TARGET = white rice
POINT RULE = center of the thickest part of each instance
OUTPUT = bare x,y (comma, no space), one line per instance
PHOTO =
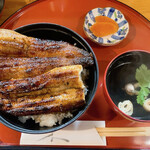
47,120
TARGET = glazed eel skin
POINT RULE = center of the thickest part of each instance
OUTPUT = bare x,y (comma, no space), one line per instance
15,44
40,76
29,67
66,92
69,99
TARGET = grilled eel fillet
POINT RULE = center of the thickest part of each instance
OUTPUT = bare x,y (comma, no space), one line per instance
18,45
65,86
29,67
54,80
67,100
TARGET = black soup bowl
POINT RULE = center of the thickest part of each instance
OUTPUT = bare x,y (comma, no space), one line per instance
120,84
59,33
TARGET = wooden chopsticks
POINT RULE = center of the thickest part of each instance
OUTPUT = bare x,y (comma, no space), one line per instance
124,131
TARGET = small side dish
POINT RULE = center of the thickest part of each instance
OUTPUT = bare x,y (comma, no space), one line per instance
106,26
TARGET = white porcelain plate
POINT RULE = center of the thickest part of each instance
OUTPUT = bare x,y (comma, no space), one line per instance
112,13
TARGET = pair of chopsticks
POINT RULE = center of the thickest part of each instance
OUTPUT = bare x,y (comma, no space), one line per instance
123,131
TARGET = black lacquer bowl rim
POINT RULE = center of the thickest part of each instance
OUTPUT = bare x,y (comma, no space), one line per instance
92,92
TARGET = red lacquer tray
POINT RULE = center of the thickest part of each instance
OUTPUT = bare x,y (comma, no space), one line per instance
71,13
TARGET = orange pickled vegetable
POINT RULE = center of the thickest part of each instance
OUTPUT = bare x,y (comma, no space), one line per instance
104,19
104,26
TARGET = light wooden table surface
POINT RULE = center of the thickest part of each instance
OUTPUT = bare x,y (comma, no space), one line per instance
142,6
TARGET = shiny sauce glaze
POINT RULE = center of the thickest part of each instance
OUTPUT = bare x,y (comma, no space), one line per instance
104,26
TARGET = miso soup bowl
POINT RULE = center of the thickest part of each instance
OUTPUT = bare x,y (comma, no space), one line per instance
119,72
59,33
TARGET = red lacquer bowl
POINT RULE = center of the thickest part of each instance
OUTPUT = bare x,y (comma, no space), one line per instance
119,72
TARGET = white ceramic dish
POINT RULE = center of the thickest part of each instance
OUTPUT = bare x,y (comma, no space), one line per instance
112,13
